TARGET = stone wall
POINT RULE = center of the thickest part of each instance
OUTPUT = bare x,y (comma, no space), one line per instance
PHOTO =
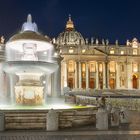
37,119
131,103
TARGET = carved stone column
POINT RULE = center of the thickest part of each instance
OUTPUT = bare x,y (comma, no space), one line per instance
76,71
97,76
80,76
129,76
105,75
117,75
65,75
87,76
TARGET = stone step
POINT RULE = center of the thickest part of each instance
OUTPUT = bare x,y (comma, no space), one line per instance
25,120
25,114
25,125
38,119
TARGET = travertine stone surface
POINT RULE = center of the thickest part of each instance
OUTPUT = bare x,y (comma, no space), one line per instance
102,119
2,121
124,115
52,121
71,135
115,117
36,119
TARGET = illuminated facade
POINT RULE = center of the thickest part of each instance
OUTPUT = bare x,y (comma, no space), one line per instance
82,63
90,64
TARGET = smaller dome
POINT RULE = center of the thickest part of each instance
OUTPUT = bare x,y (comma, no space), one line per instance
70,36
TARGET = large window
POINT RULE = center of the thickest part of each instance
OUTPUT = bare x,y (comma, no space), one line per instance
112,75
100,75
112,51
112,66
71,73
100,67
135,51
92,76
83,69
135,67
122,52
92,67
71,50
71,66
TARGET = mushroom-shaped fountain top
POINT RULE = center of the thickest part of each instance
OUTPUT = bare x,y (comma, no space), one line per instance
29,34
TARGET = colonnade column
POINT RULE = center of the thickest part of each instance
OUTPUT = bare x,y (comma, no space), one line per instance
117,75
129,76
87,76
80,76
65,74
105,75
97,76
76,73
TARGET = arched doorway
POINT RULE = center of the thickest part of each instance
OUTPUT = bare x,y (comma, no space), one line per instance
71,83
91,83
135,81
112,83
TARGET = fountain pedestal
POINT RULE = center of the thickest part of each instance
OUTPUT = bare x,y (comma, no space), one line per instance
29,95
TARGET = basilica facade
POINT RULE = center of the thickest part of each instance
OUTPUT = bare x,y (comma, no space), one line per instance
89,64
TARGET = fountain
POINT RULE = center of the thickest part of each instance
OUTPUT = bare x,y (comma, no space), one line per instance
30,62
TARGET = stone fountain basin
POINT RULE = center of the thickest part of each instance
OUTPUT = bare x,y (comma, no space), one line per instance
13,67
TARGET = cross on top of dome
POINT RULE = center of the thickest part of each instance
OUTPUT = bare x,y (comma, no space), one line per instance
70,24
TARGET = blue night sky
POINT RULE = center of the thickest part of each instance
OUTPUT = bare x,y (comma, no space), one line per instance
112,19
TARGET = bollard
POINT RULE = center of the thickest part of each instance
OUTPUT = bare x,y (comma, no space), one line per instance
2,121
102,119
52,120
124,116
115,117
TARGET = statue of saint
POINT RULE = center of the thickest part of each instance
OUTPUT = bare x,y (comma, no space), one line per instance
2,39
97,41
103,42
117,42
127,43
92,40
107,41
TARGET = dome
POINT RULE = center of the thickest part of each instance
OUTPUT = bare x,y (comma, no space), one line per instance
70,36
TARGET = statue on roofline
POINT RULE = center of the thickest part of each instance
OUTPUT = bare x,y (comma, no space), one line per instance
2,39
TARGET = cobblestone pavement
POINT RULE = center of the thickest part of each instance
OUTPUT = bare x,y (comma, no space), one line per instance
76,135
